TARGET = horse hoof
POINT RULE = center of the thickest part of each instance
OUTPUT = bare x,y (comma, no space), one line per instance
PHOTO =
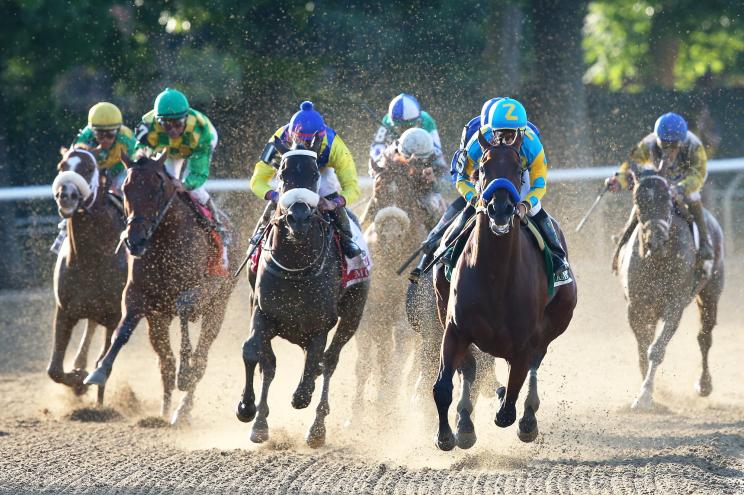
446,441
300,400
98,377
642,403
245,412
465,440
704,387
527,431
180,420
316,436
506,417
500,393
259,435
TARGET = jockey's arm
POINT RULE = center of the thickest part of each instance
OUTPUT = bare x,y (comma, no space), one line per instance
379,143
85,136
538,180
639,154
263,172
343,163
464,185
697,172
198,166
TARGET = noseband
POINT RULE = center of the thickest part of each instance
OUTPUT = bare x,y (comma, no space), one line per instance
663,223
496,184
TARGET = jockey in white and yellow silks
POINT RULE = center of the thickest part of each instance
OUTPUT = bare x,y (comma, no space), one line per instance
335,163
507,120
684,165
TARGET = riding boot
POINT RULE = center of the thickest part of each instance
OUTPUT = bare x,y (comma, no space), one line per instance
706,249
627,231
545,225
432,240
343,227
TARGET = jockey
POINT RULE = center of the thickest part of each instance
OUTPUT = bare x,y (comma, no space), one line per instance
678,155
507,121
404,112
106,132
189,138
459,162
335,163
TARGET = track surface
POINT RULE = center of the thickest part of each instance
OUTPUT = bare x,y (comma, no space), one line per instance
589,440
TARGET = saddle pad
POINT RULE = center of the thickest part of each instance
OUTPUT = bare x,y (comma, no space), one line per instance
357,269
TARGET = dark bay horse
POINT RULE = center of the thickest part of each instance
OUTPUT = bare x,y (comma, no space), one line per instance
498,300
297,295
88,276
661,275
169,250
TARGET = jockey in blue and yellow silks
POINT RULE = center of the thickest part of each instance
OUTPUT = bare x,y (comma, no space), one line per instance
336,165
507,120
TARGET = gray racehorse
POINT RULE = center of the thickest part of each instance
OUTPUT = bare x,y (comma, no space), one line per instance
661,275
297,295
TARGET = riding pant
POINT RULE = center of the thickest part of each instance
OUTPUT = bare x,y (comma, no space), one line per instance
176,167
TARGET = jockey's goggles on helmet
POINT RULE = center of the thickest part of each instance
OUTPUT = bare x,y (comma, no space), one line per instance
105,133
668,145
407,124
169,124
505,136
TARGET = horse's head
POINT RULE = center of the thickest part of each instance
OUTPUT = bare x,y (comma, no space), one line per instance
398,180
77,180
299,176
653,198
148,191
500,179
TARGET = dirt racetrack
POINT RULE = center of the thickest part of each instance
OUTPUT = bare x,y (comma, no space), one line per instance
589,442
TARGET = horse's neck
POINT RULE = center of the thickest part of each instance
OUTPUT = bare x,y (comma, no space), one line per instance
296,250
94,231
179,224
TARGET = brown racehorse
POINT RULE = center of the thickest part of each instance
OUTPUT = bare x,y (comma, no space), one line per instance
498,300
88,276
169,247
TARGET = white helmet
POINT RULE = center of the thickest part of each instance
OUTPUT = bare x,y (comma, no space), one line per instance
416,142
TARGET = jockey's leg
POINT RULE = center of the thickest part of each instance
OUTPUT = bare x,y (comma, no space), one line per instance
343,226
628,229
547,229
695,204
432,240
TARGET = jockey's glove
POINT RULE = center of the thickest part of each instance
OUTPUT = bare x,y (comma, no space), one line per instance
272,196
340,201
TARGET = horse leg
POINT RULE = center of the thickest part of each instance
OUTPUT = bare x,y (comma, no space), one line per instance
465,429
362,370
453,350
707,303
644,328
81,358
655,357
184,376
508,411
527,431
123,332
252,349
63,325
260,431
160,340
104,348
313,357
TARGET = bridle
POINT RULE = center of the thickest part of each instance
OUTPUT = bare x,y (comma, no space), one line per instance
663,223
152,222
488,190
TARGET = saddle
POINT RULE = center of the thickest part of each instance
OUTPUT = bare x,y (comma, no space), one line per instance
217,264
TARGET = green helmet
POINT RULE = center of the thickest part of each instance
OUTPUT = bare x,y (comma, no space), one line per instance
171,104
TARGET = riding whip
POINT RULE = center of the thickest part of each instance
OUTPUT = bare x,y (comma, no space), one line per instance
415,254
591,209
258,234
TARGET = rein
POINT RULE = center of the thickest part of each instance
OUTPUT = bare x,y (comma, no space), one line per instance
158,219
287,270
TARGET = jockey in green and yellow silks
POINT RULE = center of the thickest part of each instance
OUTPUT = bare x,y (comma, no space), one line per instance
336,165
106,132
506,122
678,155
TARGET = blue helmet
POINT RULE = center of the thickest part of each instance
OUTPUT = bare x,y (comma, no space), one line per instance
404,108
486,109
507,113
307,123
671,127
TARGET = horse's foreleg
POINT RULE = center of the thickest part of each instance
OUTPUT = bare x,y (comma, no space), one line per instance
313,357
708,307
123,333
508,411
160,340
267,360
362,370
63,325
644,328
252,349
465,429
655,357
527,431
81,358
183,373
453,349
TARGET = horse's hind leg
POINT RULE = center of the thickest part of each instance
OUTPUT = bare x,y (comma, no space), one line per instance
707,303
313,357
465,429
527,431
81,358
453,350
160,340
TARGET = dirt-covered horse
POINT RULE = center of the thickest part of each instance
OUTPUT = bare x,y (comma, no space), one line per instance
500,300
661,275
298,295
171,274
88,276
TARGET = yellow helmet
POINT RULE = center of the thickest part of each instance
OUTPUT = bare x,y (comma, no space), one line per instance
104,116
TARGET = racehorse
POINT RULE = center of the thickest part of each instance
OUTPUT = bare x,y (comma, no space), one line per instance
297,295
498,300
660,276
169,248
398,227
88,276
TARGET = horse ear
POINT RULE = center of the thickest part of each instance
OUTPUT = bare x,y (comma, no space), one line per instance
160,160
63,151
280,146
484,144
126,161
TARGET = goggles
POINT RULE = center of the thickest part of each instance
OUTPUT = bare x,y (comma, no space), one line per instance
668,145
105,134
172,124
505,136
